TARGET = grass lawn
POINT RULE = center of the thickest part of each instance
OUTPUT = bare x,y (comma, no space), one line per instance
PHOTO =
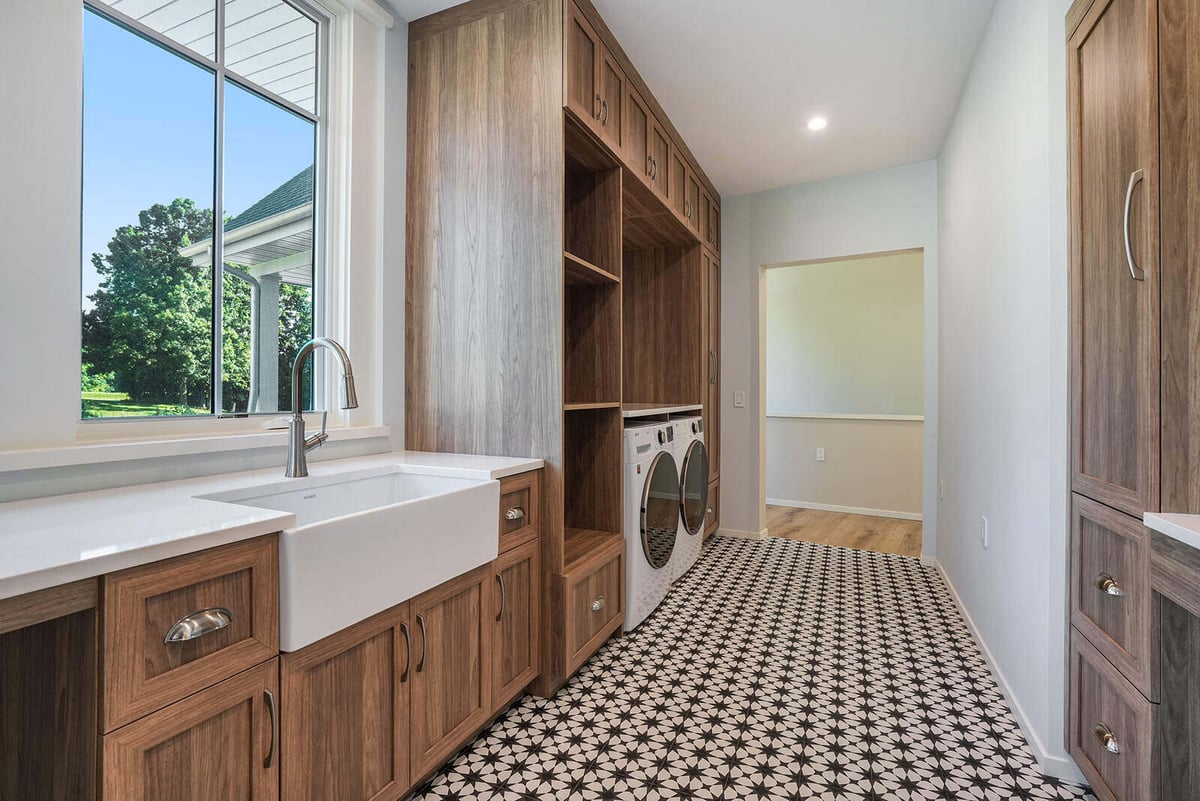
118,404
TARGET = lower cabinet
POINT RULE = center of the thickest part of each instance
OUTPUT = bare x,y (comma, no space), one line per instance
220,744
451,677
345,713
515,644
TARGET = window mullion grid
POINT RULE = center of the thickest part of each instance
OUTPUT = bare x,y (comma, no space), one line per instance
218,268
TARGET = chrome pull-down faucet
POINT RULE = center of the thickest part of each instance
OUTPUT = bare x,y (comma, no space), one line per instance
298,444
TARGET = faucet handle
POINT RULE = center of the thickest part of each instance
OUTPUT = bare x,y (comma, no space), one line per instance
317,440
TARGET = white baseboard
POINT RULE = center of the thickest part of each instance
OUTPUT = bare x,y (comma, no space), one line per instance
1059,766
853,510
742,535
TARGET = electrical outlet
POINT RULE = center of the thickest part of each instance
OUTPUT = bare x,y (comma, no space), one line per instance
983,531
739,399
820,454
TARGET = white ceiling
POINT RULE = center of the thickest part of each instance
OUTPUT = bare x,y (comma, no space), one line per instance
740,79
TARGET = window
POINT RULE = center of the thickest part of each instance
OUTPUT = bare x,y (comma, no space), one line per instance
194,112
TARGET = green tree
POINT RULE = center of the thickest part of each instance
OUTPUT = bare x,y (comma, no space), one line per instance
151,322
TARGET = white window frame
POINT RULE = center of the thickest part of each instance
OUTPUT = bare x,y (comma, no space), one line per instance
347,218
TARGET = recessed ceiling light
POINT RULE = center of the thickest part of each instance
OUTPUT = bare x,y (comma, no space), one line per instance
817,123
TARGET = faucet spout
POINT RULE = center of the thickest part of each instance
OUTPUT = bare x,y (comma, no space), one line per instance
298,444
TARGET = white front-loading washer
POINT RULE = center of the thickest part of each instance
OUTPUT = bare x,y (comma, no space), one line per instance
651,518
692,458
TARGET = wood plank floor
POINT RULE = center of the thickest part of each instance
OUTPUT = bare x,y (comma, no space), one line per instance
882,534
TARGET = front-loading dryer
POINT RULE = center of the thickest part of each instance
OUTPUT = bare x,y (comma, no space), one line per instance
692,458
651,518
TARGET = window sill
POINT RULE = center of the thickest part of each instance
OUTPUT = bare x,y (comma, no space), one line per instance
128,450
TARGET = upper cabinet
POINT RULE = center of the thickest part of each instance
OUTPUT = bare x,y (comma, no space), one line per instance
594,82
636,152
1114,256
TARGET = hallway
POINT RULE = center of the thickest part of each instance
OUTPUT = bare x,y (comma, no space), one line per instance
880,534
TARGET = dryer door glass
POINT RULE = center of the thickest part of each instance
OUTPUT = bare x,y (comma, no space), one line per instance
660,510
693,487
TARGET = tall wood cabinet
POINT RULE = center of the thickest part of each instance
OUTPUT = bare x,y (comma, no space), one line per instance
562,256
1133,88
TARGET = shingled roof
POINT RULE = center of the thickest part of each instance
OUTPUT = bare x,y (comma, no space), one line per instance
296,192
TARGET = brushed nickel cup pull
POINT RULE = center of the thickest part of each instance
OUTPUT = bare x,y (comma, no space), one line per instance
1108,585
1106,738
197,624
514,513
270,699
598,604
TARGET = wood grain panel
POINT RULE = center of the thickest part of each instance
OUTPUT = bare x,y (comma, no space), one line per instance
451,678
1179,142
581,68
1175,571
592,211
1178,723
710,359
213,746
515,652
48,709
345,702
662,322
55,602
612,93
484,289
1100,696
635,151
1107,543
141,673
1114,323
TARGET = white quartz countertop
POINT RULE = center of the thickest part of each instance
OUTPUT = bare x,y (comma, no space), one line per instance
1185,528
45,542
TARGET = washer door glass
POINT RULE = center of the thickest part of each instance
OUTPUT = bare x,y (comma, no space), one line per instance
660,510
693,487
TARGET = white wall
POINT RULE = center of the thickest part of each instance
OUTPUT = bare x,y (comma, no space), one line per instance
1003,391
871,466
877,212
40,55
846,337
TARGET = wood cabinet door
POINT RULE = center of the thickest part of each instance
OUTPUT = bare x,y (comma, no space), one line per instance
515,646
711,392
636,147
451,678
677,183
1114,255
220,744
705,221
691,196
345,713
581,73
714,225
660,159
612,100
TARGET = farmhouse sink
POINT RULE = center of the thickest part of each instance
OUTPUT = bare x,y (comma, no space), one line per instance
366,541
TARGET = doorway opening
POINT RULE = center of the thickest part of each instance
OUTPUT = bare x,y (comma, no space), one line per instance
844,400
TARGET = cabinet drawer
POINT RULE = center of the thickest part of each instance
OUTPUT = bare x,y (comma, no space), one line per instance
1111,726
520,507
595,601
1110,587
174,627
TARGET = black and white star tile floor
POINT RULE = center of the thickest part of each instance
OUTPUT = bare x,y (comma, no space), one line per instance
774,670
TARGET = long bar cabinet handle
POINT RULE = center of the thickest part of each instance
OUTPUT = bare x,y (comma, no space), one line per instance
424,643
1137,273
407,651
270,699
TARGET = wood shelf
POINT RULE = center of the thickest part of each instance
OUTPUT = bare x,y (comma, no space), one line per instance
579,407
580,543
581,271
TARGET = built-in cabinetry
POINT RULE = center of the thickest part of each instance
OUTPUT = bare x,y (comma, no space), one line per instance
563,263
1134,189
164,681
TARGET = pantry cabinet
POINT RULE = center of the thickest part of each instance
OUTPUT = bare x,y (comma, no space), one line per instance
594,82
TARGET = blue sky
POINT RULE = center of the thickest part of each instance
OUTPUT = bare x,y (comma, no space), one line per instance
148,118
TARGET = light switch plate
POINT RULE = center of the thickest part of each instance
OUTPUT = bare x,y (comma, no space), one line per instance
739,399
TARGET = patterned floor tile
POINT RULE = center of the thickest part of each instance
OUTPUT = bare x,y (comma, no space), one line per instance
774,670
